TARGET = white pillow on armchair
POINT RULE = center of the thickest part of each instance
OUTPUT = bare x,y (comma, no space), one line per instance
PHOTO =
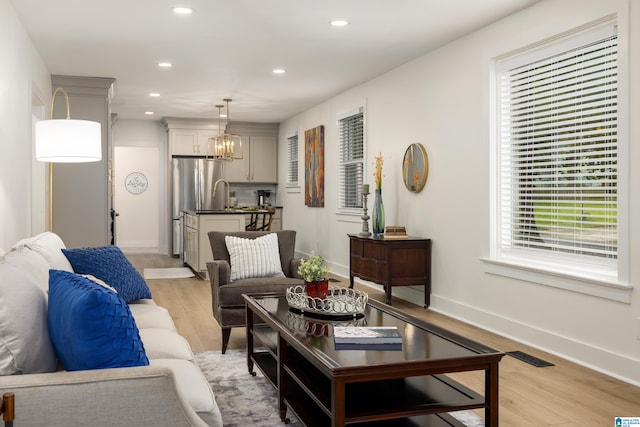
259,257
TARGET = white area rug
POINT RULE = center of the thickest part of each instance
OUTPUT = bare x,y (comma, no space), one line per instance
168,273
245,400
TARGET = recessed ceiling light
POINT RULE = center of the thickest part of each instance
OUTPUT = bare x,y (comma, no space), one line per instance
279,71
181,10
154,94
339,23
149,113
164,64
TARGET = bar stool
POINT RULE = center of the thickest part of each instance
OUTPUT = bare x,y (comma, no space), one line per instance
261,221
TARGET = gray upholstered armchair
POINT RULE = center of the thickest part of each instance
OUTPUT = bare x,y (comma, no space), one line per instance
226,296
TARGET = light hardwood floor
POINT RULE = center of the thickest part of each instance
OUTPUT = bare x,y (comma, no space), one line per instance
562,395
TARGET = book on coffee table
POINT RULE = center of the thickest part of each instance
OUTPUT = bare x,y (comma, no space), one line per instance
366,335
368,346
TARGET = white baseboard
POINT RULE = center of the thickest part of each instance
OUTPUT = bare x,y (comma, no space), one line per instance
601,360
139,247
140,250
618,366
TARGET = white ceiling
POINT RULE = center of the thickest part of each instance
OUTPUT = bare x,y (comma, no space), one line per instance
228,48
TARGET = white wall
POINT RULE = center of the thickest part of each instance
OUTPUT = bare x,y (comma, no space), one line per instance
23,77
148,133
442,100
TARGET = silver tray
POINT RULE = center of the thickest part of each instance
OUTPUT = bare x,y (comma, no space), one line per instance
339,301
309,326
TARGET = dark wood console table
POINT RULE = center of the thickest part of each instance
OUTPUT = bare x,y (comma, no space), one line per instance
393,262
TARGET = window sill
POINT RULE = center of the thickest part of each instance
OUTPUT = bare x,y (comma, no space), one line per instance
293,189
349,216
607,289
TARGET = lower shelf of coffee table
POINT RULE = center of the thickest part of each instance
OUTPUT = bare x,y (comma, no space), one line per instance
305,410
265,362
310,391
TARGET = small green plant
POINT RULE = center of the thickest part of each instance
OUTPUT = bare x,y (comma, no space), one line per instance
313,269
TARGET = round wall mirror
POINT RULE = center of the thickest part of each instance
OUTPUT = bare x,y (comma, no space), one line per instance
415,168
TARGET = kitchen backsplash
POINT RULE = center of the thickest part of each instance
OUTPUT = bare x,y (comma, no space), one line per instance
247,194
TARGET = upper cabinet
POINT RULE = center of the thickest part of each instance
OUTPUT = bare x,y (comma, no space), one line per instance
186,142
190,137
260,153
259,163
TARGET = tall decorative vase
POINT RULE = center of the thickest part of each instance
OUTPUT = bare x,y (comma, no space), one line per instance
377,215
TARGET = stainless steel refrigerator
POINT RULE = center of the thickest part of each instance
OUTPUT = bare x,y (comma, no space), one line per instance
193,179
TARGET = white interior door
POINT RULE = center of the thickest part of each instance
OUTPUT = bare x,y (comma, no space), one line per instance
136,198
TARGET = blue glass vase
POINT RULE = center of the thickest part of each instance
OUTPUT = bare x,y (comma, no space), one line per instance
377,215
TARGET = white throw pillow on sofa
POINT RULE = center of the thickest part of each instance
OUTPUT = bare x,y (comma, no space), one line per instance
49,245
25,345
30,262
259,257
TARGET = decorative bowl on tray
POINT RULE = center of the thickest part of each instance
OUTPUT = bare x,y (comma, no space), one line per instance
309,326
340,301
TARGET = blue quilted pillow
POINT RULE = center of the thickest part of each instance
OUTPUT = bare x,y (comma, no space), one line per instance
90,326
109,264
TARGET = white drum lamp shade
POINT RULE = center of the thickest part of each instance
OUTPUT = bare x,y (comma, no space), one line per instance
68,141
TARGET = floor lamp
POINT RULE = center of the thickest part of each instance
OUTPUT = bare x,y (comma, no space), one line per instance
66,141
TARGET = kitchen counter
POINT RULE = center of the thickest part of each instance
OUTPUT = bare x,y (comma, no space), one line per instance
230,211
197,224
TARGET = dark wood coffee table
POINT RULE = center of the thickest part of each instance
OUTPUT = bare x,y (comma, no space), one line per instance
328,387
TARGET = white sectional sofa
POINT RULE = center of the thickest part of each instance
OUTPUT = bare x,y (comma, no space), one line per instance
38,331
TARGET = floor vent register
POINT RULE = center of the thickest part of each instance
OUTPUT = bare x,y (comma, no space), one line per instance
531,360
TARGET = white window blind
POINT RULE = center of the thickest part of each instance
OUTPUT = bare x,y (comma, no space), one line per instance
292,161
351,139
558,156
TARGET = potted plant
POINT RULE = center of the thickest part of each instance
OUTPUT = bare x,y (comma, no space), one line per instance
314,271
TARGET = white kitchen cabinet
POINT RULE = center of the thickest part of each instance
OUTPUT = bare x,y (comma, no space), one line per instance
191,247
190,142
263,161
260,147
190,240
189,137
197,250
259,163
276,225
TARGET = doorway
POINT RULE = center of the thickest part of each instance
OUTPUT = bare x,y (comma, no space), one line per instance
136,199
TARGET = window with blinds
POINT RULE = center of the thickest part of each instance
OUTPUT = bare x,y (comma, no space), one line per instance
292,161
558,153
351,140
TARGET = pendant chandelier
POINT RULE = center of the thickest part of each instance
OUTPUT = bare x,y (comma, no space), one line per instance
226,146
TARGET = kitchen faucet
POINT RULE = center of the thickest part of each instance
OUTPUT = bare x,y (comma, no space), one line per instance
215,186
